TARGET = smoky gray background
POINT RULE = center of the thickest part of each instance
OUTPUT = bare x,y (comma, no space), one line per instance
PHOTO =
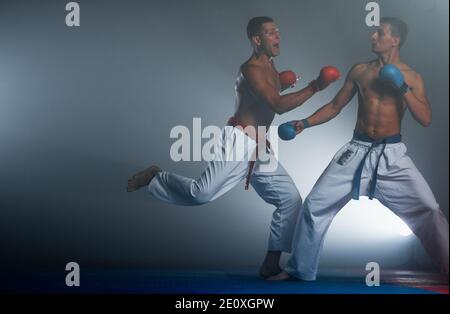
81,109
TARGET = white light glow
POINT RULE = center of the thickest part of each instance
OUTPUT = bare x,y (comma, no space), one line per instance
369,218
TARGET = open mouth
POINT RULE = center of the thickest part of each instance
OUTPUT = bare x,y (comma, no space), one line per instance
277,46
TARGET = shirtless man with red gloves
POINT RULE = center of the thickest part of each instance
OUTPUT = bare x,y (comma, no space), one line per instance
258,99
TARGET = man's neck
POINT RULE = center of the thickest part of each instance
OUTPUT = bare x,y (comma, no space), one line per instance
262,57
392,57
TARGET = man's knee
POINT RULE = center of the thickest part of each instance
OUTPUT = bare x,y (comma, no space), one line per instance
293,198
202,195
431,209
437,214
421,217
312,212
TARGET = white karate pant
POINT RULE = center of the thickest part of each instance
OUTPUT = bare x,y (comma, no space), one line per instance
221,175
400,187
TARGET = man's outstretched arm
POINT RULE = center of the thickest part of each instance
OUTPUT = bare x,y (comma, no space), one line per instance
333,108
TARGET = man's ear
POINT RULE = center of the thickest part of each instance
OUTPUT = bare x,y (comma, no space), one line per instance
396,41
256,40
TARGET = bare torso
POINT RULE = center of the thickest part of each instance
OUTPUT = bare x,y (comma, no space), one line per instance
251,109
380,105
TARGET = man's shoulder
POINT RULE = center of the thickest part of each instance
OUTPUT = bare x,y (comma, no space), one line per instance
251,70
250,66
362,66
408,70
358,68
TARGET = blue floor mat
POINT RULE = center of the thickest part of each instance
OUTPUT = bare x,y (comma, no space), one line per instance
192,282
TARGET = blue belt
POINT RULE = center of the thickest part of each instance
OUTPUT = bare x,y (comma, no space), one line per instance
357,178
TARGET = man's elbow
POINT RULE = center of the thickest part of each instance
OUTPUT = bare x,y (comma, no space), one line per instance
334,109
278,107
426,122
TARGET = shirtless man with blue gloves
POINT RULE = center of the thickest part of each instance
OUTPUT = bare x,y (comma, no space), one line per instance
374,162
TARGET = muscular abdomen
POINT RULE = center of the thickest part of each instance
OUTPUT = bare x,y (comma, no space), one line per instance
379,116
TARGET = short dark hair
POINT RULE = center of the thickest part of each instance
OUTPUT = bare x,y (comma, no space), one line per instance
398,28
254,25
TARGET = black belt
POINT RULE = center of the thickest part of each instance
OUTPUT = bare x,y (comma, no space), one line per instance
397,138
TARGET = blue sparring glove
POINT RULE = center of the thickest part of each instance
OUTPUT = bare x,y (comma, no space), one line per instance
392,74
286,131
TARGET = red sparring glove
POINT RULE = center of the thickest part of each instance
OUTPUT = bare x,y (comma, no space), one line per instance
327,75
287,79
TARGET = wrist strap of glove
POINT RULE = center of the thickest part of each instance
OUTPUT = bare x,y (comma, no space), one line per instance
404,88
305,123
314,86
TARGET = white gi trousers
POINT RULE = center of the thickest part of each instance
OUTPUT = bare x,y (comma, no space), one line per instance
400,187
275,187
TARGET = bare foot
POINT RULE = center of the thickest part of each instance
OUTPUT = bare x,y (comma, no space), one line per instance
280,277
270,266
266,272
142,178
